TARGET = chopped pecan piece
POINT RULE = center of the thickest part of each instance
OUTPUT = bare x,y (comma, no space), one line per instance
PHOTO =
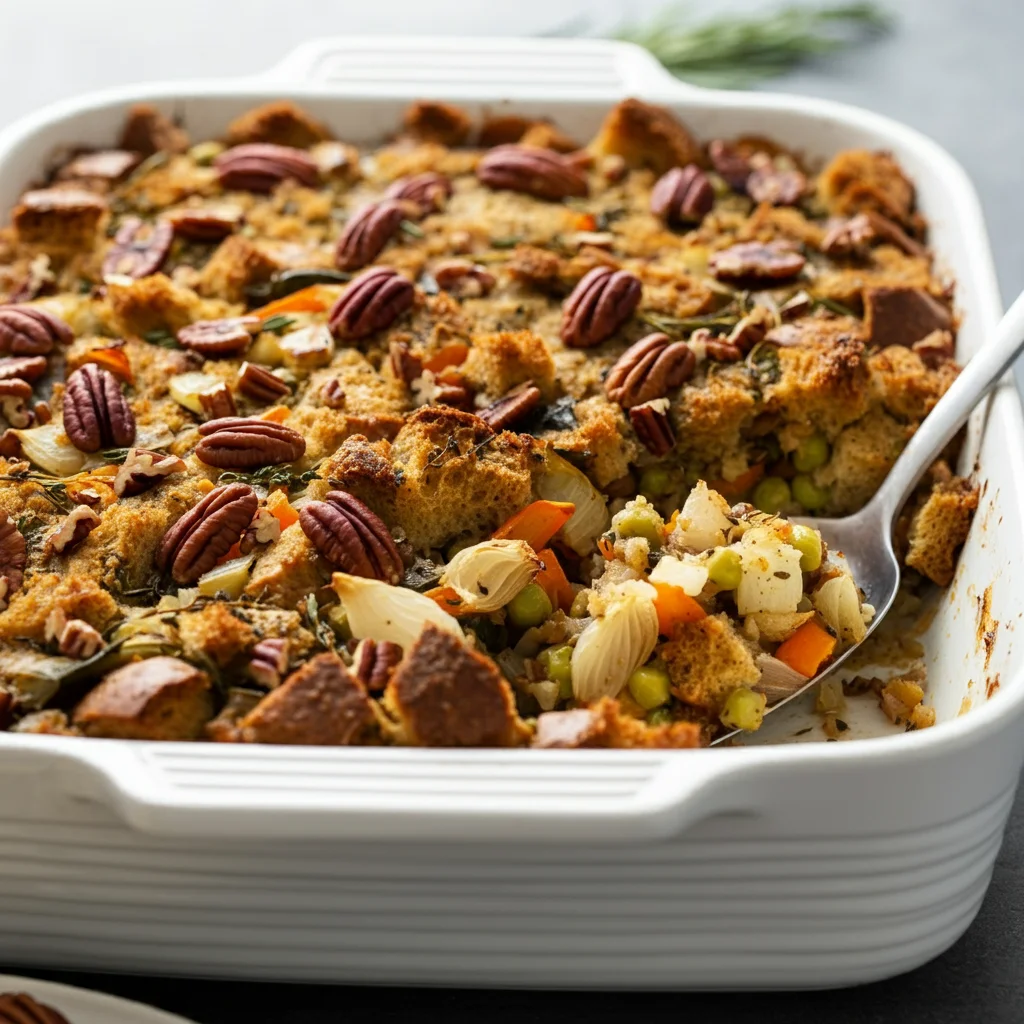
205,224
373,662
236,442
96,414
218,404
511,408
351,537
28,331
429,191
139,249
215,338
20,1008
260,384
752,329
103,164
332,394
730,164
269,661
77,639
901,316
935,349
756,261
64,219
649,369
715,347
405,365
156,699
28,368
652,426
13,559
195,543
797,306
148,131
319,704
682,195
599,305
265,528
537,172
74,528
372,301
770,183
853,236
464,278
446,695
367,232
42,413
143,469
14,394
437,122
261,166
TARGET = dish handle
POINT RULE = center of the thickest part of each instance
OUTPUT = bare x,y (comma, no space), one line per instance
481,69
217,791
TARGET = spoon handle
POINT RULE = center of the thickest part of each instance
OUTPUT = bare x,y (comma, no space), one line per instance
980,375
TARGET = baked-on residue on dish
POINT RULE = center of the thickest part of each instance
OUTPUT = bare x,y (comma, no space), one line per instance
485,437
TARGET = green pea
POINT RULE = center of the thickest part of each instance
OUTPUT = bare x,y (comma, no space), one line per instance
811,453
808,493
641,521
557,663
724,568
772,494
659,716
808,543
744,709
649,686
658,480
580,606
530,607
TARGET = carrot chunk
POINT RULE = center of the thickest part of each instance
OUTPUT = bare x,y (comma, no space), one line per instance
807,649
306,300
738,487
675,606
553,581
452,354
537,523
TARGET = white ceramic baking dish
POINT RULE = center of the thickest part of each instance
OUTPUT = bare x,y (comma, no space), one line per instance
805,864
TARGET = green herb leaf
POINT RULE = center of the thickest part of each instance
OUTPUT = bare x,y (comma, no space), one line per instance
411,228
115,455
277,324
161,337
736,51
272,476
506,242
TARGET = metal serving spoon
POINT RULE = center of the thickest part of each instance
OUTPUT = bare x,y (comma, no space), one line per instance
865,538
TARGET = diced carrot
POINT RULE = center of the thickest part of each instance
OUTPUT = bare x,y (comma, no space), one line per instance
449,600
553,581
605,548
807,649
586,222
113,359
233,552
675,606
452,354
280,508
738,487
276,414
537,523
306,300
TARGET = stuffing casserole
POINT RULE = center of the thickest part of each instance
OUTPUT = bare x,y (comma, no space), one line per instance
484,437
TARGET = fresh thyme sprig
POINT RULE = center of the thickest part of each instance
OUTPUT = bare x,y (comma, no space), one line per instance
738,50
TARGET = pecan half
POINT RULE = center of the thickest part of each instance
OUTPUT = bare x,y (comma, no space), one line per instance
367,232
371,302
75,527
195,543
854,236
405,365
103,164
730,164
205,224
19,1008
512,407
42,413
682,195
13,559
236,442
649,369
770,183
261,166
268,661
260,384
143,469
351,537
374,661
139,249
96,414
756,261
599,305
26,367
429,191
218,403
28,331
530,169
265,528
652,426
214,338
465,279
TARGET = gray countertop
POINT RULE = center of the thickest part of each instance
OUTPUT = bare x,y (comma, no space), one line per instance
953,69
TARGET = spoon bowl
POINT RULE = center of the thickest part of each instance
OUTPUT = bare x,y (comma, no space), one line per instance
864,539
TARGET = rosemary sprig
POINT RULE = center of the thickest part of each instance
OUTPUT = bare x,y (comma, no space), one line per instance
272,476
277,324
161,337
736,51
676,326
